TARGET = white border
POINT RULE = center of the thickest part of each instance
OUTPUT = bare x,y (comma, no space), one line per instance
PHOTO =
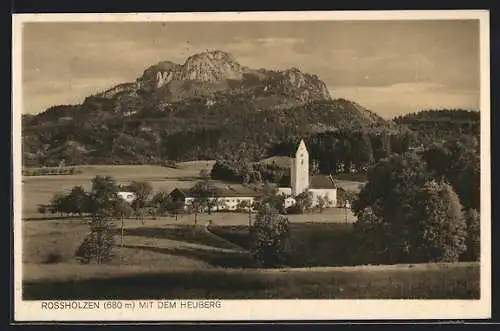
269,309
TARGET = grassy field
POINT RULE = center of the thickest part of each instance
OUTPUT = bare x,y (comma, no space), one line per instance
312,244
147,245
185,261
458,281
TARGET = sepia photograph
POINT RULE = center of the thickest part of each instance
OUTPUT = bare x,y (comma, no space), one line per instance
232,166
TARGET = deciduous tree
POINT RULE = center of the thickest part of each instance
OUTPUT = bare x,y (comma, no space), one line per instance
77,200
270,237
142,191
442,231
323,201
99,243
405,216
391,196
304,201
205,194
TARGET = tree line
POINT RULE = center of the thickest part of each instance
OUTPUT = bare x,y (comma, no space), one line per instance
437,125
249,173
80,202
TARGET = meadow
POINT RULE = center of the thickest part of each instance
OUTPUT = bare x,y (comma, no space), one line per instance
427,281
186,261
173,258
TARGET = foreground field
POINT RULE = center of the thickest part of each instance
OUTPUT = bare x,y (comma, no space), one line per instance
456,281
183,245
186,261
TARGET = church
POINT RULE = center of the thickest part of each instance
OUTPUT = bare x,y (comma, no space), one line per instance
319,186
301,181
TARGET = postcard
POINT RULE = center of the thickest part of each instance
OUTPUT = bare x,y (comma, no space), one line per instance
256,166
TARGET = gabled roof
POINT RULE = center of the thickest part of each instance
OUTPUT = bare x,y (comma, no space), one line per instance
223,192
180,191
239,193
321,182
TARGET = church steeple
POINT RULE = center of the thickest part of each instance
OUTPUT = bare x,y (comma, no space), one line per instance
299,171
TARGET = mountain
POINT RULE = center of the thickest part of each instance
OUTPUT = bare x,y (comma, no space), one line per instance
210,74
208,107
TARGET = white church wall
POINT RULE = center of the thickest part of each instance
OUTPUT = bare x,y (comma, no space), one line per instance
300,170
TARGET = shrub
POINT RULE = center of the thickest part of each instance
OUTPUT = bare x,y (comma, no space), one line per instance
42,209
98,244
345,195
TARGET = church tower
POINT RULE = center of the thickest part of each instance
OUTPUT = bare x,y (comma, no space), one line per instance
299,170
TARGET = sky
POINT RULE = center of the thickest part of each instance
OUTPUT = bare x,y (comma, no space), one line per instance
390,67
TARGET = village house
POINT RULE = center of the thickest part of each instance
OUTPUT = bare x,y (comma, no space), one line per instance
127,196
228,199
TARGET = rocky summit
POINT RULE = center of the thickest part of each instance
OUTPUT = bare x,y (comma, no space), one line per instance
208,67
206,73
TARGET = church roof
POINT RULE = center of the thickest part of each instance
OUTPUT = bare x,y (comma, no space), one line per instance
321,182
301,146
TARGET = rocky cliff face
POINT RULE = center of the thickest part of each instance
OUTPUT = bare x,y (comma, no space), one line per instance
207,67
309,86
211,67
216,70
158,75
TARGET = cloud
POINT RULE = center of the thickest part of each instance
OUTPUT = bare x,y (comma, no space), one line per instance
40,95
278,42
393,100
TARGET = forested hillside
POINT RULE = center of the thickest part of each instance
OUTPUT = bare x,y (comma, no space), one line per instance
187,130
441,124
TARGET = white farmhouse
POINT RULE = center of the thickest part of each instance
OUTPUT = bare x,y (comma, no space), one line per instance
230,199
127,196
